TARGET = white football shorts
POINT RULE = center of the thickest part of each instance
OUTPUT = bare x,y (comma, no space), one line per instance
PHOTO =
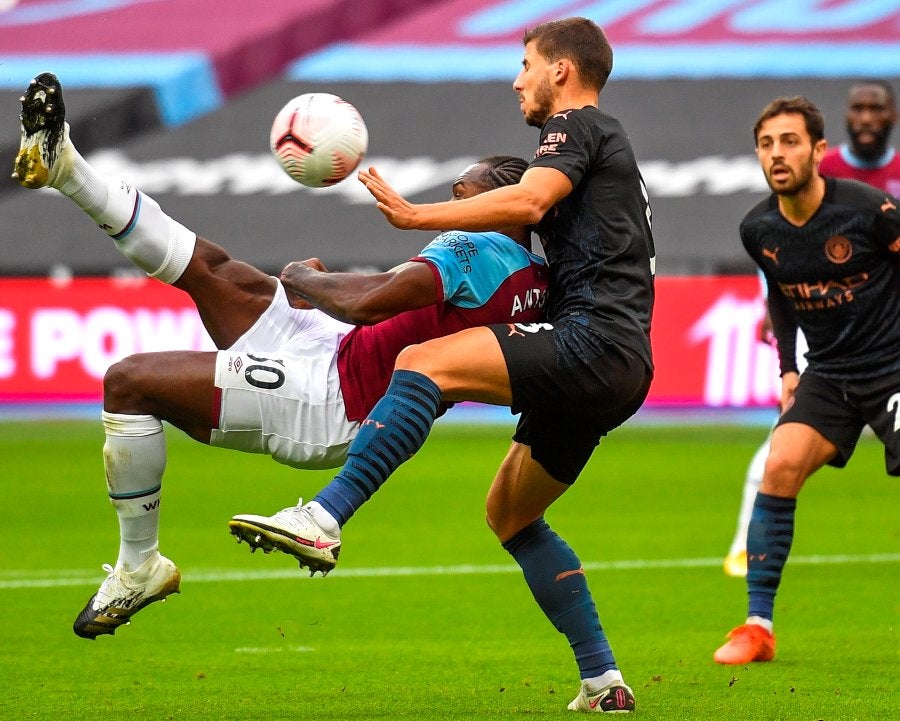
279,389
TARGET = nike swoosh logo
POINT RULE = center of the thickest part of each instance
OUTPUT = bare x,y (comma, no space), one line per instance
593,702
320,544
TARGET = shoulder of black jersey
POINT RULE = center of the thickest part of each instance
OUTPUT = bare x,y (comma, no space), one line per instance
589,115
766,205
564,118
844,191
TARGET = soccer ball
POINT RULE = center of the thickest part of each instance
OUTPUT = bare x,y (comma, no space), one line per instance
319,139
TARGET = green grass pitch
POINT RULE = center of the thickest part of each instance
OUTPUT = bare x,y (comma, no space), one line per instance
426,616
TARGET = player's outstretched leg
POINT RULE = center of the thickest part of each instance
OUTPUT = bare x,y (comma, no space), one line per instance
396,428
123,594
45,134
134,458
145,235
294,531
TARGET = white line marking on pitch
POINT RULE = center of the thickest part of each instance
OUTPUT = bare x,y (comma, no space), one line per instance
11,579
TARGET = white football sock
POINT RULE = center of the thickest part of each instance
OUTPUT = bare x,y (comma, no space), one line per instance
144,234
326,521
592,685
760,621
751,488
134,457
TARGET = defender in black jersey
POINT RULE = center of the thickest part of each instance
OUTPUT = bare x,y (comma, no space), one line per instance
830,253
574,377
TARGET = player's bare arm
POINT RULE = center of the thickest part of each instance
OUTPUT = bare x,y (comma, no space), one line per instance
362,299
522,204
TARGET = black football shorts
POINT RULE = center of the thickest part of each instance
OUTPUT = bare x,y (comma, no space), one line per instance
572,387
839,410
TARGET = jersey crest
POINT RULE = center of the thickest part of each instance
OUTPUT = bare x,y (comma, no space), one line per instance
838,249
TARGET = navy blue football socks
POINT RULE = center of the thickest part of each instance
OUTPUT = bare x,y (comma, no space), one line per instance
556,579
394,431
768,545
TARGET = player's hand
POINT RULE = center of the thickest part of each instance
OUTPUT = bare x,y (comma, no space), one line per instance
315,264
766,331
293,274
399,212
789,383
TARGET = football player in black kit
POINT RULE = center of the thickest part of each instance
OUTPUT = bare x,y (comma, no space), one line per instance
829,249
574,378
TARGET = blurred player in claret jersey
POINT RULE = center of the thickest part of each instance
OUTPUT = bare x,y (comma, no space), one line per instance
289,381
868,157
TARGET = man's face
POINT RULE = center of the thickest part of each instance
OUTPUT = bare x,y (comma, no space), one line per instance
533,87
870,119
787,154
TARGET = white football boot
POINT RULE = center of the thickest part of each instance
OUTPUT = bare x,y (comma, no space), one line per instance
615,698
123,594
293,531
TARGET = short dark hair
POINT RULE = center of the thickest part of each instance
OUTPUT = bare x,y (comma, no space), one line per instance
503,170
797,105
878,83
578,39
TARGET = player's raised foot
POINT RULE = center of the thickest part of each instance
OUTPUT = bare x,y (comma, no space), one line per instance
735,564
746,644
43,150
293,531
615,698
123,594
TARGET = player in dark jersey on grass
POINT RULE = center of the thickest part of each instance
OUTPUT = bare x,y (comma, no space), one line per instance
867,157
290,382
829,249
574,378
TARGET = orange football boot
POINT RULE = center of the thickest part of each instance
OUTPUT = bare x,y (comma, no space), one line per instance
746,644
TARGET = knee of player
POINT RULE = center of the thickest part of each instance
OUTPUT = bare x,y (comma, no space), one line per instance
122,387
504,524
784,474
419,358
492,524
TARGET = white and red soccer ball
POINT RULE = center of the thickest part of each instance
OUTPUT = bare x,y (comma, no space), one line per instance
319,139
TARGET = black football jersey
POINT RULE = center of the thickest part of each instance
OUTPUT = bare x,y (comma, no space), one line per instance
836,277
597,240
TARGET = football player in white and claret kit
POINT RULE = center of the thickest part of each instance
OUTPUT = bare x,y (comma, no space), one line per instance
288,381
